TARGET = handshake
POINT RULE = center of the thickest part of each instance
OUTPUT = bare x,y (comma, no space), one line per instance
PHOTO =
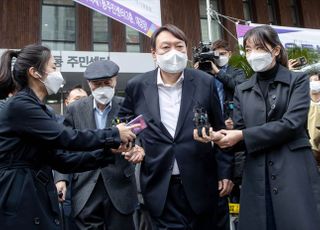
223,138
131,152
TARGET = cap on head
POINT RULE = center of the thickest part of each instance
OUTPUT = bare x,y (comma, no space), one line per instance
101,70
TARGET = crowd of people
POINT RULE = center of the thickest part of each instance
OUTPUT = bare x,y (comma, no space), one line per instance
178,173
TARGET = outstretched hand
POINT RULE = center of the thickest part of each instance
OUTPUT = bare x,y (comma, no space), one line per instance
230,138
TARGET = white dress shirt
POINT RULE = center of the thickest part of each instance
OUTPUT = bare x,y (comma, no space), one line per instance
169,103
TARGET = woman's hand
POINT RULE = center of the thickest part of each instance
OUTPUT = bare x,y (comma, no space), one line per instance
213,136
230,138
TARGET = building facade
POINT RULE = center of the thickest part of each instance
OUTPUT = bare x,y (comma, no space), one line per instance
79,35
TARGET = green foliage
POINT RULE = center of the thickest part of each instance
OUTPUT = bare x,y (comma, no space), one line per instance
239,61
311,55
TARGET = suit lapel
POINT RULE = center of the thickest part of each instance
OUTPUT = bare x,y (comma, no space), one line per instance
88,113
188,89
113,112
152,97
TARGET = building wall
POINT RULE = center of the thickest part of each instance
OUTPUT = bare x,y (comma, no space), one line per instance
19,23
310,13
184,14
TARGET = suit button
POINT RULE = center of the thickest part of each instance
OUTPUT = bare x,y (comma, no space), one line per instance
273,177
36,220
57,221
273,106
270,163
275,190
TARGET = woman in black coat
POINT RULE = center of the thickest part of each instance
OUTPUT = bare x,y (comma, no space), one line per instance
281,184
29,135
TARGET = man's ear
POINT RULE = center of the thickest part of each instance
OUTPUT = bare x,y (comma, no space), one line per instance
32,72
153,53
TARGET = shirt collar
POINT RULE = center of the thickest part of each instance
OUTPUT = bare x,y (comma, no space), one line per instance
107,108
161,83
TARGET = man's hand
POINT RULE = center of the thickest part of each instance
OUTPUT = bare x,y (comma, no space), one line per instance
61,189
135,155
215,70
292,63
126,135
225,187
213,136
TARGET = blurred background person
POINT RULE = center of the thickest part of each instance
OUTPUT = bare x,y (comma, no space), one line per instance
75,94
29,135
107,197
314,115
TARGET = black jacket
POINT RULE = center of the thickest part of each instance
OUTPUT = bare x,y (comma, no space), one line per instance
29,134
276,138
200,165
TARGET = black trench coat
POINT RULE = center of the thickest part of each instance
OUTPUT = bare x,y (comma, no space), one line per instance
29,134
282,145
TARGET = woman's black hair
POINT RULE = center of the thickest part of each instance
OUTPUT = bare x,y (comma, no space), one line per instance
263,35
36,56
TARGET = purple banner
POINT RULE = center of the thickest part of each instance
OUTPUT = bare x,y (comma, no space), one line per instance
122,14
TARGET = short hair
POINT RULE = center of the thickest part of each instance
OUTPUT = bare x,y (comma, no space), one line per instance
221,44
175,31
79,87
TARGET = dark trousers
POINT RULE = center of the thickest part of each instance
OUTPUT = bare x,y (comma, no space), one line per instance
99,212
223,218
177,213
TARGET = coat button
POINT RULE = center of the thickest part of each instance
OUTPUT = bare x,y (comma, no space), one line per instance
36,220
275,190
273,106
274,97
270,163
57,221
273,177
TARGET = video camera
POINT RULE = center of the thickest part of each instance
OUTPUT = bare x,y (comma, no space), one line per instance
203,54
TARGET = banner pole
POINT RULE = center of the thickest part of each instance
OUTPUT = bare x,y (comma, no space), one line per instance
209,20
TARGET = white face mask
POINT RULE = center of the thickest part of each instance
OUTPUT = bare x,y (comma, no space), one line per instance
260,61
315,86
103,95
172,61
222,60
53,82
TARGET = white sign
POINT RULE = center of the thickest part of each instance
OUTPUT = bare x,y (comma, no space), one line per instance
290,36
78,61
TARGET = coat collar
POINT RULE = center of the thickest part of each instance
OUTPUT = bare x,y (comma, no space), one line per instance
283,76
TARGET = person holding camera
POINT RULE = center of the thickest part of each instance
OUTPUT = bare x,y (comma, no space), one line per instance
227,76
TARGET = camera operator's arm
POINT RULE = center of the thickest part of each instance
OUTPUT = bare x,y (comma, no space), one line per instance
231,77
214,69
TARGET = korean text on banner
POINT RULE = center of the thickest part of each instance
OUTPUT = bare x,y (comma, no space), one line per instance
141,15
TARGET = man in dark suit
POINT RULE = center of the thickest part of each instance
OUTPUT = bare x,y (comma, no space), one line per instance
179,176
105,198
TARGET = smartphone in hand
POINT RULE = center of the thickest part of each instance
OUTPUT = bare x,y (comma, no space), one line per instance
138,120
